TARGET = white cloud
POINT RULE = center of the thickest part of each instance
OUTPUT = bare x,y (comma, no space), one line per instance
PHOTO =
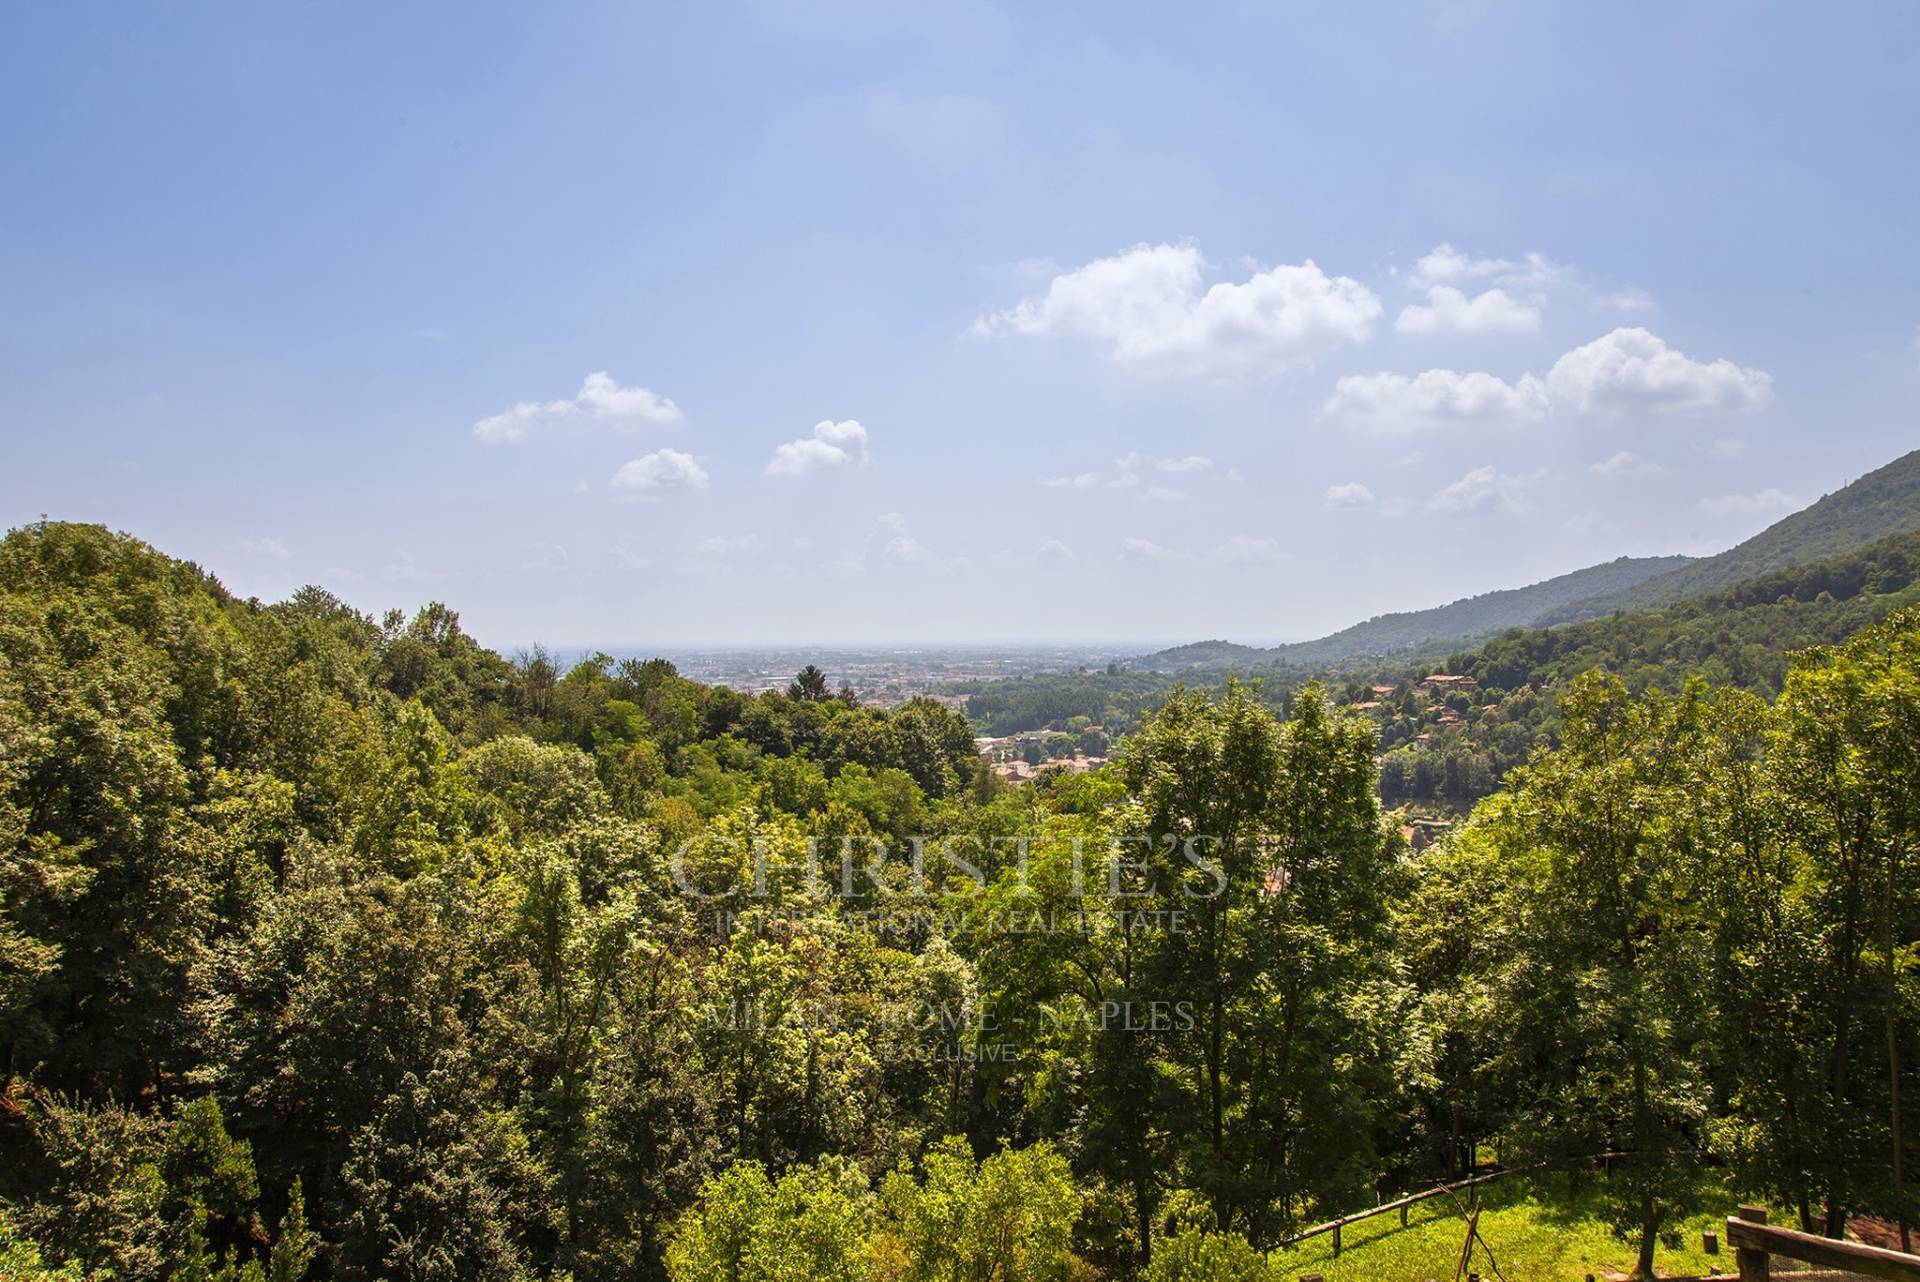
1626,369
1449,311
599,398
893,543
723,545
1146,551
831,445
1352,494
1529,277
1437,396
1626,463
1630,299
1768,502
660,471
1244,549
1126,475
1079,481
1634,369
1444,265
1053,552
1484,489
897,544
1150,309
272,549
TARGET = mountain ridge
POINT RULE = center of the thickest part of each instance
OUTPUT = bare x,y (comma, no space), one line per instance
1882,503
1476,616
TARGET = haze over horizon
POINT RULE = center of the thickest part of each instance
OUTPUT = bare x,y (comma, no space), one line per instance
764,326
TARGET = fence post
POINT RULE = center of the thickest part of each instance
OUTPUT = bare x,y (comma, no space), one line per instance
1754,1266
1336,1241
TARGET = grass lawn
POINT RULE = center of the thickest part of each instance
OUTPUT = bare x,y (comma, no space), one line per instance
1532,1240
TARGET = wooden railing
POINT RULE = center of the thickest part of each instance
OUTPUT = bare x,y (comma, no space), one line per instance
1398,1204
1755,1242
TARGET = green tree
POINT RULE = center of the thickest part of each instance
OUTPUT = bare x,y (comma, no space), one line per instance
1617,948
810,684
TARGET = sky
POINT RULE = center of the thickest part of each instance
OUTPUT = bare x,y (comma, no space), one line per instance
843,322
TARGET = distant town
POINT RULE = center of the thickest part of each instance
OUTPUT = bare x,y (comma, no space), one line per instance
885,678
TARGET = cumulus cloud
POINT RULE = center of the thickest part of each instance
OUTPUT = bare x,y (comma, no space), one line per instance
658,472
1484,489
1626,463
1352,494
895,543
1626,369
1150,309
1078,481
725,545
1450,311
1443,265
1053,552
1634,369
832,444
600,398
892,542
1529,278
1128,471
1147,552
1768,502
1437,396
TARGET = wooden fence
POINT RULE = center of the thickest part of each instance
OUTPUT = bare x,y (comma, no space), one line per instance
1398,1204
1755,1242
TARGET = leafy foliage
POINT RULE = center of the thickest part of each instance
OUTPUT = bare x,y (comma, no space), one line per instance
342,947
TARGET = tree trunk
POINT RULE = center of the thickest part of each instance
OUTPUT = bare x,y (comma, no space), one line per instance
1835,1225
1143,1211
1644,1157
1893,1052
1649,1234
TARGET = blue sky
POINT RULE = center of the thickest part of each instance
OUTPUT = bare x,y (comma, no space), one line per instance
658,325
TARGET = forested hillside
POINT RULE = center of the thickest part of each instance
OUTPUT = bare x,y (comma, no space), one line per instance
1885,501
1451,751
1447,624
1456,750
1882,503
342,947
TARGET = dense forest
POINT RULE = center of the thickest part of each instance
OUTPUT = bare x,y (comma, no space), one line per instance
1446,753
342,947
